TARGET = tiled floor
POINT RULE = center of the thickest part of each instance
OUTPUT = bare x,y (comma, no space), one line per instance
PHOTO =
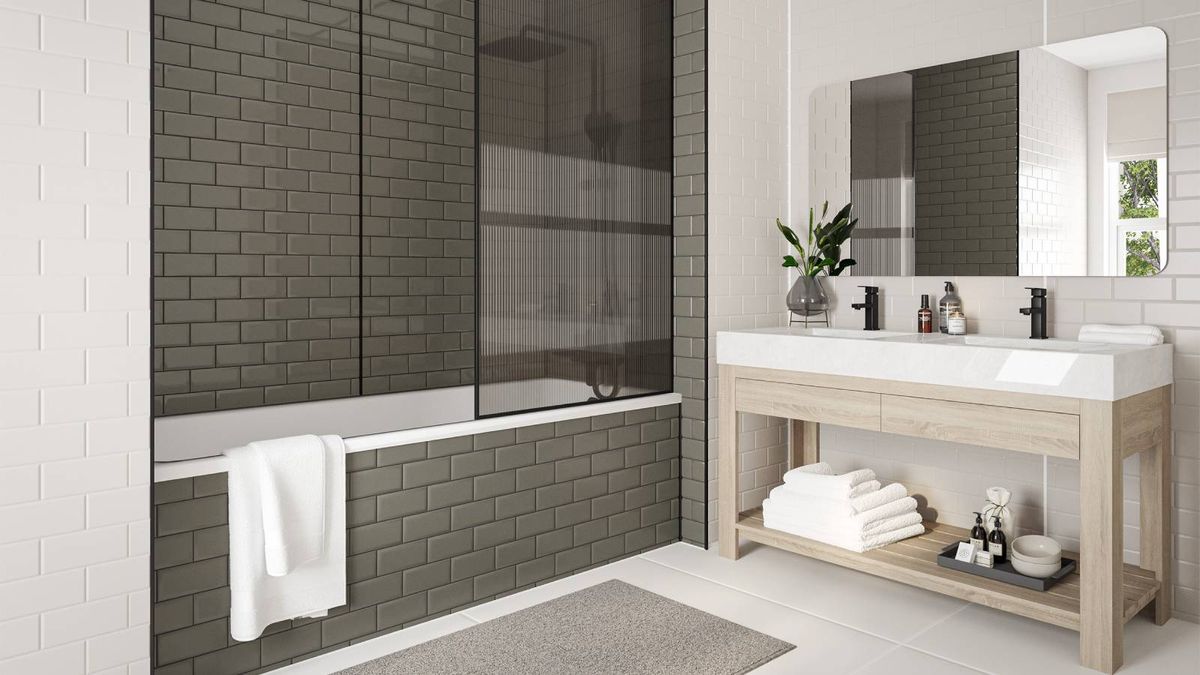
840,621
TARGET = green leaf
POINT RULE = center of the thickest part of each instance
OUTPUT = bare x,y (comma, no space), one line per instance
788,233
837,271
789,261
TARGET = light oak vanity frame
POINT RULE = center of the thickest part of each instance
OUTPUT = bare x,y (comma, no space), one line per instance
1100,434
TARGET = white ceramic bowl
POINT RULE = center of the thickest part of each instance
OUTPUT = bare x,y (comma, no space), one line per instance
1038,570
1036,549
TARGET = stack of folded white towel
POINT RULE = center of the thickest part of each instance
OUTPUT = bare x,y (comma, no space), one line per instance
850,510
1121,335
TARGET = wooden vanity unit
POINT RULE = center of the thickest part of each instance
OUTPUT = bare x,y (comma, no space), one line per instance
1098,433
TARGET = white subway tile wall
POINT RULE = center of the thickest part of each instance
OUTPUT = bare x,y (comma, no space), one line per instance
856,38
748,140
74,347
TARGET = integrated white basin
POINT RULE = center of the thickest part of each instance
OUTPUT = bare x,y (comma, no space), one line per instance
1052,367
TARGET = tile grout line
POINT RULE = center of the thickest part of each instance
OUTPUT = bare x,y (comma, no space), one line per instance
906,644
776,602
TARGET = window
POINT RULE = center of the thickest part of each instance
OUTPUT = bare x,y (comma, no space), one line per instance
1139,216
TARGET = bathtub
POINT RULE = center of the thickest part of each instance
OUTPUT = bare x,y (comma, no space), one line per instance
191,445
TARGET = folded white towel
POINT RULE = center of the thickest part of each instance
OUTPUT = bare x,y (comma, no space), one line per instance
292,471
785,496
1121,335
258,599
824,485
878,498
858,543
855,524
1121,339
893,523
1133,329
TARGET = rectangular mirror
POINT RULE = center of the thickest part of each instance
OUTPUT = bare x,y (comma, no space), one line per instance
1045,161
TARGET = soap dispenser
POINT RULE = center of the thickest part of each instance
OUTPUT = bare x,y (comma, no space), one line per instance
948,305
978,534
997,542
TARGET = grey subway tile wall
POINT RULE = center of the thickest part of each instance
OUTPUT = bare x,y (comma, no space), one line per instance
432,528
258,246
418,195
256,205
965,145
691,260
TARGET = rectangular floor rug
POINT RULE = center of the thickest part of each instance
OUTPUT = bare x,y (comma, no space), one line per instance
612,627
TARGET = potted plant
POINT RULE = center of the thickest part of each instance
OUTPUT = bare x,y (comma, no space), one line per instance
822,252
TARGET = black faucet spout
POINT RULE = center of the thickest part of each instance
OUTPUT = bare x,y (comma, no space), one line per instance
871,305
1036,313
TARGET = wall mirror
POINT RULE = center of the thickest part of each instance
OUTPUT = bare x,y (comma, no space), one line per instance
1044,161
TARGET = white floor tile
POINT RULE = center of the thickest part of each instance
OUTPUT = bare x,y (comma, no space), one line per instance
872,604
905,661
821,646
1029,646
380,646
841,621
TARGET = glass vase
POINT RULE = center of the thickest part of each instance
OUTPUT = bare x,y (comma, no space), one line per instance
807,297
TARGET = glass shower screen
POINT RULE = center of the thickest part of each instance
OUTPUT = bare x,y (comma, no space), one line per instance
574,238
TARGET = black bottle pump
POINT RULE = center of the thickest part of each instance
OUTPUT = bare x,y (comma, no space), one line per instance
978,534
996,542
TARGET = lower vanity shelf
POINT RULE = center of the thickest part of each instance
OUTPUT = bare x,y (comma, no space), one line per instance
914,562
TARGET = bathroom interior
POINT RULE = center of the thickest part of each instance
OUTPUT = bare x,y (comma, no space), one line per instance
621,336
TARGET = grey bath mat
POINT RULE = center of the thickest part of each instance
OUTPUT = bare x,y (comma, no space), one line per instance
611,627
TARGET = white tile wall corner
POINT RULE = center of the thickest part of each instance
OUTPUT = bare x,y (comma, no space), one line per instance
855,38
748,140
1053,163
74,347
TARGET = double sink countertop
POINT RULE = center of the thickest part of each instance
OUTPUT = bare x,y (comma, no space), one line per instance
1052,367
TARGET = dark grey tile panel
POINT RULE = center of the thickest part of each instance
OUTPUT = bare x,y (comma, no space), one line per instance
418,552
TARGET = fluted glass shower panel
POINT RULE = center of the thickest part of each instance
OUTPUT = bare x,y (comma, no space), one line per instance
574,236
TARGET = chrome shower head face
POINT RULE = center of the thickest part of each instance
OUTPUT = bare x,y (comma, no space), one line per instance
522,49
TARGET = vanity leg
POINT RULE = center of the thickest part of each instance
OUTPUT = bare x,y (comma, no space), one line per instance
1156,512
806,443
1101,568
727,464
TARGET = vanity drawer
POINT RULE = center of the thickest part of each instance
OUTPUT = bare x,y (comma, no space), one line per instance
842,407
1036,431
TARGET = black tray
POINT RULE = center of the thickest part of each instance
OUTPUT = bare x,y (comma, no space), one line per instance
1004,571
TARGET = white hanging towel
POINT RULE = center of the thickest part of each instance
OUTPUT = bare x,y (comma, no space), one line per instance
287,531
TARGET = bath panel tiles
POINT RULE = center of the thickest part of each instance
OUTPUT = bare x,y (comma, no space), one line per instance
433,528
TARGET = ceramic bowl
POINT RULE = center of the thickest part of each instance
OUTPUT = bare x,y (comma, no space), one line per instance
1038,570
1036,549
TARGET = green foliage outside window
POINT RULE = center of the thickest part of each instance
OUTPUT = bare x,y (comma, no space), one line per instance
1143,254
1139,189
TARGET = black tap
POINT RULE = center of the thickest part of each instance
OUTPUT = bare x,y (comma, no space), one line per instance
1036,313
871,304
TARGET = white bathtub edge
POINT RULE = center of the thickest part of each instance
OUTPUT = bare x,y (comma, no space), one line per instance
188,468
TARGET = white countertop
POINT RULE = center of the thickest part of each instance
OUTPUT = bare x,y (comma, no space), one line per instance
1050,367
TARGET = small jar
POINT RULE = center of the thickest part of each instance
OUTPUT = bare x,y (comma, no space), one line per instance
956,323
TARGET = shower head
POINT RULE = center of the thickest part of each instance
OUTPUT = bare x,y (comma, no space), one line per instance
522,49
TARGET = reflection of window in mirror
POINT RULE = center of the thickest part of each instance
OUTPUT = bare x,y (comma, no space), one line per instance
1138,222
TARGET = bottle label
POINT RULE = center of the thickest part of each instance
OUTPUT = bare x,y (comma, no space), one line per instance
978,544
997,550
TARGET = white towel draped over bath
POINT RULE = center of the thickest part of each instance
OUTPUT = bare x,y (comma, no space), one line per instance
287,531
851,511
292,472
1121,335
